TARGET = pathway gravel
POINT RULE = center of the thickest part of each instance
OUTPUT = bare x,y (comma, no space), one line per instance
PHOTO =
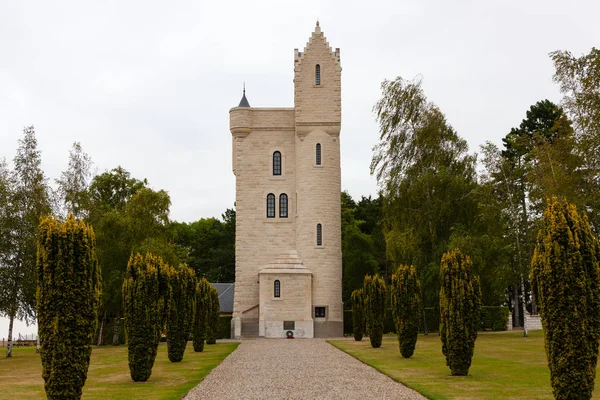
296,369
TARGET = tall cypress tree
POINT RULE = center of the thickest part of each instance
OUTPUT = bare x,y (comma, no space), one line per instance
374,292
358,314
214,311
68,293
181,312
565,278
460,301
406,305
202,308
146,297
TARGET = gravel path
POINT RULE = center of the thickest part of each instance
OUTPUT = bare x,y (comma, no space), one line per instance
296,369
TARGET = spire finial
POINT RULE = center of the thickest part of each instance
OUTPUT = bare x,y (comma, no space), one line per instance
317,22
244,87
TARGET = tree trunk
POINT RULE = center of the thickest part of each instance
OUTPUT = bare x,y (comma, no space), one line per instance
9,344
425,323
101,334
516,315
524,307
533,306
115,340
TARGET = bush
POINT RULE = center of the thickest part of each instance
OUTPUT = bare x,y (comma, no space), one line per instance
181,311
494,318
348,322
224,329
406,307
146,297
68,294
214,311
460,299
358,314
374,292
566,285
202,308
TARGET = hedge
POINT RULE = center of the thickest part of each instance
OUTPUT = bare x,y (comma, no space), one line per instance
494,318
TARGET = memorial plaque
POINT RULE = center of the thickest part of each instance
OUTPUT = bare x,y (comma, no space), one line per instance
289,325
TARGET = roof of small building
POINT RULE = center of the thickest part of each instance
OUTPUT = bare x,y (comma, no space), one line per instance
225,296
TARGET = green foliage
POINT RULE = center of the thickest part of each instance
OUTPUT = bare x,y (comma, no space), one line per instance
146,297
224,327
214,310
460,301
427,178
358,314
565,276
68,293
202,311
73,185
494,318
181,311
374,297
406,307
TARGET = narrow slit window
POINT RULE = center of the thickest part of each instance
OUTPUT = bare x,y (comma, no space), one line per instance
270,205
283,205
319,235
276,163
318,74
277,289
318,154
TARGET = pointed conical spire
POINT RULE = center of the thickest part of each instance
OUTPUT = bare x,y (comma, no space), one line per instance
244,101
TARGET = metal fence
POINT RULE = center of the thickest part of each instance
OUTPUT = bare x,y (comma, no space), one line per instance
21,340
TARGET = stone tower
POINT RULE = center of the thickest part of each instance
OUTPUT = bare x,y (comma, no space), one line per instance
288,184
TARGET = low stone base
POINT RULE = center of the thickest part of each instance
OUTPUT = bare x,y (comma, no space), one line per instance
327,329
533,322
274,329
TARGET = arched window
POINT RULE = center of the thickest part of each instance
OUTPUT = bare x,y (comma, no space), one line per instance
283,205
270,205
319,235
277,163
318,74
277,289
318,154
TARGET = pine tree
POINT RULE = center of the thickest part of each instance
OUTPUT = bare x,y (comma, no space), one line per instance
460,301
146,297
358,314
181,311
374,295
200,321
68,293
406,306
565,277
214,311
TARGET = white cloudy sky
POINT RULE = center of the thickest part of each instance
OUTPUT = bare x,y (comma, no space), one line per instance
148,84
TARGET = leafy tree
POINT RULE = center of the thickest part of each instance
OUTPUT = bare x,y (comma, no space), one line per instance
214,311
146,296
30,201
68,293
202,311
406,307
358,314
73,185
460,301
427,180
374,297
565,275
181,311
208,246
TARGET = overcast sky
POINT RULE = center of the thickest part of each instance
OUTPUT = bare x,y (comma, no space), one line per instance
148,85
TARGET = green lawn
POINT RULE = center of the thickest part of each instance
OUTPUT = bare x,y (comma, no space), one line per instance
505,366
108,376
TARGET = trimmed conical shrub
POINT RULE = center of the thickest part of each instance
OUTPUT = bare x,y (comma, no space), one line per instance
358,314
181,311
145,305
460,301
201,319
214,311
406,306
374,295
565,281
68,293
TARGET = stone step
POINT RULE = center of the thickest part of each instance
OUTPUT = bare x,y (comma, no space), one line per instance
250,328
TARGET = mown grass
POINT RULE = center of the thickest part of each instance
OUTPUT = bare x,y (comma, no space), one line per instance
505,366
108,375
